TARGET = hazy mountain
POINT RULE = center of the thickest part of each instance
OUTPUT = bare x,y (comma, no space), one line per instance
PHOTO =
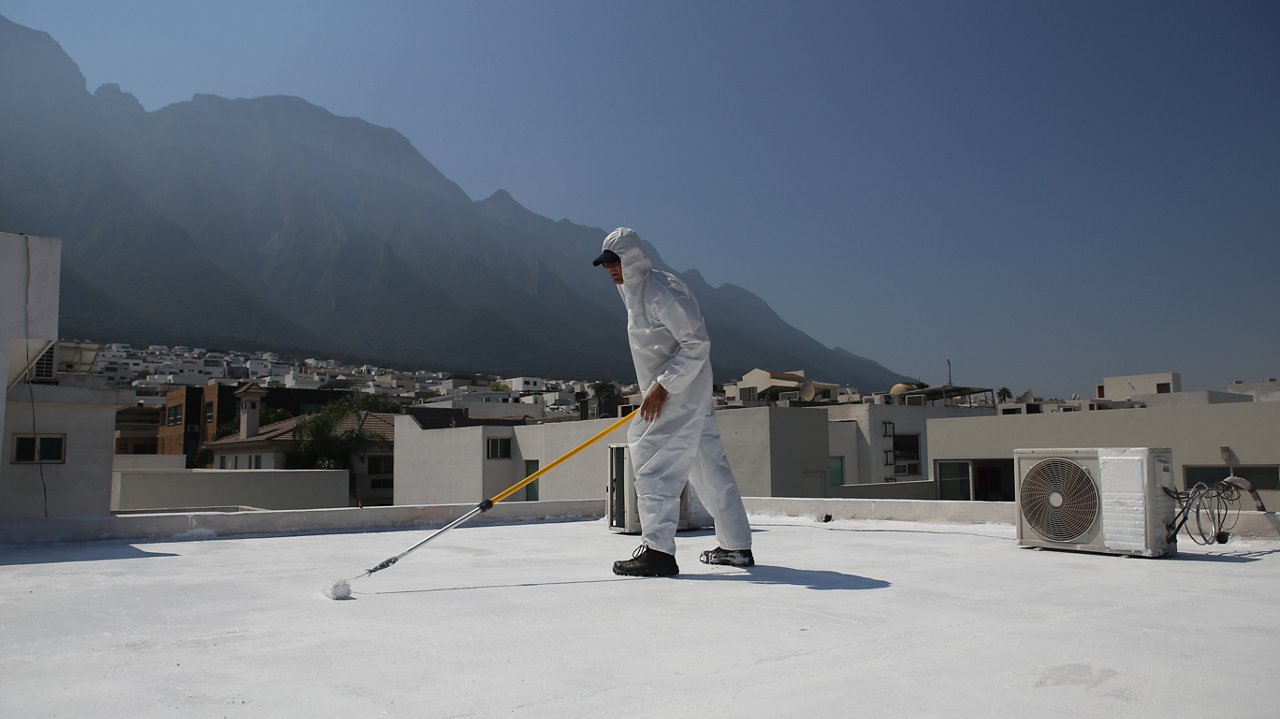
272,222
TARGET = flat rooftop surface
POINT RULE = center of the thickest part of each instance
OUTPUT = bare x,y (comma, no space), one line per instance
852,618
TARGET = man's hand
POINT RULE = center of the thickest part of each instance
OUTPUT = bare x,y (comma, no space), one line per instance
653,403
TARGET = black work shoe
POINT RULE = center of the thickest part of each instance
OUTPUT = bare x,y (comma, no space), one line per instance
647,562
731,557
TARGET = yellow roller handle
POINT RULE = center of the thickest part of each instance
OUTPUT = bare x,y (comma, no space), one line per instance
569,455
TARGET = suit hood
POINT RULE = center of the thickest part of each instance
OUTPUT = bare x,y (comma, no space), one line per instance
625,243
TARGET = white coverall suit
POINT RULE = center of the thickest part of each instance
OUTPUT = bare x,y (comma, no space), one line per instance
669,346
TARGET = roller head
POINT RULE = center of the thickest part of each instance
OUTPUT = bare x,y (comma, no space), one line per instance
338,589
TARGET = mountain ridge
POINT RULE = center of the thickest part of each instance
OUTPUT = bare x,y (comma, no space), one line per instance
273,217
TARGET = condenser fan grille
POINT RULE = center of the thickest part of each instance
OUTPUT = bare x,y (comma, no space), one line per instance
1058,499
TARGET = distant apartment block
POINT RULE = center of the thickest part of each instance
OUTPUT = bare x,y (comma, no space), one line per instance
1129,386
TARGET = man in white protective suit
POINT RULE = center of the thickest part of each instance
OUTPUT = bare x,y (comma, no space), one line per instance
675,438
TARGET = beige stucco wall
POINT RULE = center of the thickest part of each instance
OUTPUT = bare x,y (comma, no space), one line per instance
137,489
81,485
798,437
843,441
149,461
449,465
1250,431
30,279
585,476
872,444
745,434
438,466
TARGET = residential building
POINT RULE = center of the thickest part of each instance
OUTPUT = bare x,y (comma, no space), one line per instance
1130,386
973,458
193,415
57,427
524,385
472,463
1267,390
760,386
275,446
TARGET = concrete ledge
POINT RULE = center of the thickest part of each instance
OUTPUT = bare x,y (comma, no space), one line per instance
1263,525
282,489
203,525
905,510
1256,524
200,525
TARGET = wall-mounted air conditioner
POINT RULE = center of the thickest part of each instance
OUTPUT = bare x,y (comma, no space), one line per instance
1108,500
621,506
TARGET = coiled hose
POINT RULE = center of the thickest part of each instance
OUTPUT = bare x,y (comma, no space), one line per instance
1215,509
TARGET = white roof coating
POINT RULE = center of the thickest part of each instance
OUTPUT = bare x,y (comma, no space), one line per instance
847,618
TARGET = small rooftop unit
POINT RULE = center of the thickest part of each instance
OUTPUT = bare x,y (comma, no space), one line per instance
621,505
1108,500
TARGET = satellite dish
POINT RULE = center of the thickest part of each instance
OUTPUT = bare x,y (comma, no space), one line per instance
808,392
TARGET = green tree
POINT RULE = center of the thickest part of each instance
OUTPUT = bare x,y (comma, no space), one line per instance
499,387
605,390
329,437
226,429
1003,394
378,403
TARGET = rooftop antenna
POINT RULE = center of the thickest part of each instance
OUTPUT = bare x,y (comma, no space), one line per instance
948,371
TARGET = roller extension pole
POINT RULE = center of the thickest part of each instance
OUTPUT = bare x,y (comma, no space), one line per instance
341,589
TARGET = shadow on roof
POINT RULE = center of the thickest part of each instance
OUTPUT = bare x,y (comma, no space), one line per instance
77,552
1230,557
811,578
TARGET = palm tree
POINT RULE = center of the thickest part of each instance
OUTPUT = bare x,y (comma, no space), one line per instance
329,437
1003,394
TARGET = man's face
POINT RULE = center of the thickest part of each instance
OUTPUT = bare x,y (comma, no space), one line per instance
615,271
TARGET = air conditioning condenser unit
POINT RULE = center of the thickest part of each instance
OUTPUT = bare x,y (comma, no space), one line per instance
621,505
1108,500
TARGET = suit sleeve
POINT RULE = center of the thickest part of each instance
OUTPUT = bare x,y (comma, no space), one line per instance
679,313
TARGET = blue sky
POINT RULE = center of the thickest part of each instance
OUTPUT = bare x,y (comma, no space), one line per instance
1045,193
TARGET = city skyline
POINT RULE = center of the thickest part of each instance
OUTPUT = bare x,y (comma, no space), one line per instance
1042,194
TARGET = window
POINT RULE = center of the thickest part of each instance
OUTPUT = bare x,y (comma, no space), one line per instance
953,480
257,461
1163,388
382,483
174,415
381,464
531,489
499,448
208,412
906,454
835,471
888,429
1265,477
39,448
